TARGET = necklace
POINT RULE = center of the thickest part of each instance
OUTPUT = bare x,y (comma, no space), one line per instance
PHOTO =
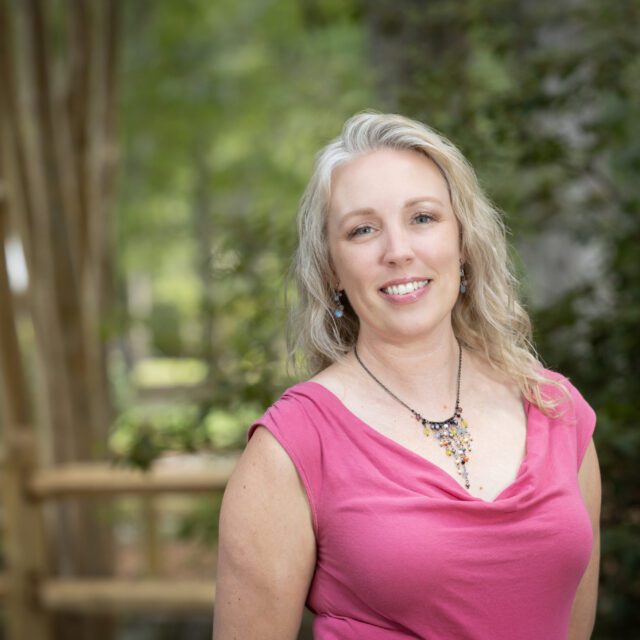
452,434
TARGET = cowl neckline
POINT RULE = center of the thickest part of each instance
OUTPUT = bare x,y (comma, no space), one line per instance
513,493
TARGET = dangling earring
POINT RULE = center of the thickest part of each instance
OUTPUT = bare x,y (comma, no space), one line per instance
463,280
338,312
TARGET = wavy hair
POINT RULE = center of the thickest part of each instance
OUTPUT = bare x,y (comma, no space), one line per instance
488,320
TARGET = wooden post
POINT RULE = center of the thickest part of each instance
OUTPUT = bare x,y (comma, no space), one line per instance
25,548
151,542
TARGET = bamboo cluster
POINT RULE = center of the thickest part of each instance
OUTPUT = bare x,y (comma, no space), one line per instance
57,165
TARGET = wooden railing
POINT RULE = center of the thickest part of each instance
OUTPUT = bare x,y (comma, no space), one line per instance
31,595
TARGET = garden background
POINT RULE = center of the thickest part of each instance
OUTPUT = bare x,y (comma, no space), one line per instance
211,115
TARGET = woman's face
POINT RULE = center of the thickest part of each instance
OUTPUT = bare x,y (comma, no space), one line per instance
394,243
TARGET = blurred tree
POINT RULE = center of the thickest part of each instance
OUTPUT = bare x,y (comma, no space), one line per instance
57,117
542,97
223,107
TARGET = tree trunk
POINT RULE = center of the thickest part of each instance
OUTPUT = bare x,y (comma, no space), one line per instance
57,121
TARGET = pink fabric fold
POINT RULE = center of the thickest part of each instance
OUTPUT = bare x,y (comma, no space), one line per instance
404,551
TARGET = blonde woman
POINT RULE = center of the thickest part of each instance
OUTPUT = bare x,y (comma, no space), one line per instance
430,479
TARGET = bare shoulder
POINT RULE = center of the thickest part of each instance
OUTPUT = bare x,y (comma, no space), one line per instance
265,475
490,382
266,546
338,378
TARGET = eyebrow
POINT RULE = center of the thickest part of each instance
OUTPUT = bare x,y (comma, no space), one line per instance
408,203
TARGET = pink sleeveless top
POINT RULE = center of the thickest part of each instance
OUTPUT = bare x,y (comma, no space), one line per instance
404,551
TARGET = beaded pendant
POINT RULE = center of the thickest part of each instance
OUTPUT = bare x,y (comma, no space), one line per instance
453,436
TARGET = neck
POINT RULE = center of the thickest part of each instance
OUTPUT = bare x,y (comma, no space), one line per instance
423,371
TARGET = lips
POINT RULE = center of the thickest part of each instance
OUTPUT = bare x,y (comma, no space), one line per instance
404,287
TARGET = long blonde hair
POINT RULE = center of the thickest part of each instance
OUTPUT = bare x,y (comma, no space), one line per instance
488,319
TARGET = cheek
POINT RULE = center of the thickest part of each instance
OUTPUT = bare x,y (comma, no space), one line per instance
348,267
347,275
446,250
444,257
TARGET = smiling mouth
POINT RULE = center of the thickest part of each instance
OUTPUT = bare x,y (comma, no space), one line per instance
404,289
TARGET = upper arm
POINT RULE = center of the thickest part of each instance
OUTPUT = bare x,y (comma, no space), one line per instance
584,606
266,549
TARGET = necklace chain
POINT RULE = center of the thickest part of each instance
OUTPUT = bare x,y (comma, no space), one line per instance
452,434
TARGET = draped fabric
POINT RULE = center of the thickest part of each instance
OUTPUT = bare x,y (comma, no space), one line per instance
404,551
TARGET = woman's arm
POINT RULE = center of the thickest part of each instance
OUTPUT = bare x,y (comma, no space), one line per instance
583,613
266,550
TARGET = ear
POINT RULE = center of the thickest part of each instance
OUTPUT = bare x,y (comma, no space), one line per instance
333,276
461,247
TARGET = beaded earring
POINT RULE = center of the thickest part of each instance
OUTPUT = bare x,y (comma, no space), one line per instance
463,280
338,312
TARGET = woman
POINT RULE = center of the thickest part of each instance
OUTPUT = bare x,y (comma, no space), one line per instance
431,480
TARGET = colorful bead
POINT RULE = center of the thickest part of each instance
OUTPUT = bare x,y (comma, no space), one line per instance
452,434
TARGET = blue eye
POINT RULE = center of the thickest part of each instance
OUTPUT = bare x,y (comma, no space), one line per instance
361,231
423,218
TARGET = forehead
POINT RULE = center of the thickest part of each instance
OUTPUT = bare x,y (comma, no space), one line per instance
386,178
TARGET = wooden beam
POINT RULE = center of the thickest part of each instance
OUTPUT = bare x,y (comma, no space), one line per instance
96,478
175,393
121,596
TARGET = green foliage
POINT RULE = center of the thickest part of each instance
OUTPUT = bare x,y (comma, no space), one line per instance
141,434
202,523
158,372
224,105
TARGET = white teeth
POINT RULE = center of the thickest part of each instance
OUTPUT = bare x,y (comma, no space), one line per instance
403,289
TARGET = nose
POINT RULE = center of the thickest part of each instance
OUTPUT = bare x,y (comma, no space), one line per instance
398,250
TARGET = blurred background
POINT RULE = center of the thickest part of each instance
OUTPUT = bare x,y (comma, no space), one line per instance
152,157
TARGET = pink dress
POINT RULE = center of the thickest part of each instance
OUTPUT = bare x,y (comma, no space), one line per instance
404,551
